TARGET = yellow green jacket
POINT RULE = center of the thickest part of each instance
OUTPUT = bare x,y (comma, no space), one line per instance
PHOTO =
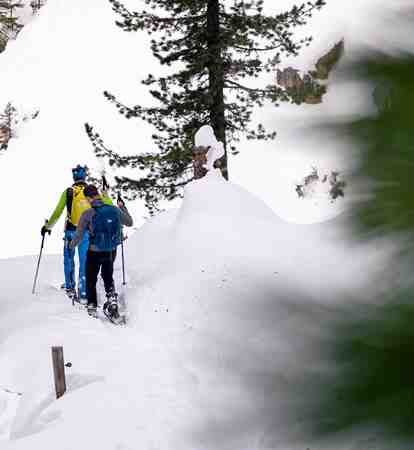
62,203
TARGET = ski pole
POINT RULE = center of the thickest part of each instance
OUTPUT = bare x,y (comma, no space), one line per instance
123,260
119,199
38,261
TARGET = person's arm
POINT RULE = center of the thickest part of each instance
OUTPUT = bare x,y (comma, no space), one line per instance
84,221
57,212
126,218
106,199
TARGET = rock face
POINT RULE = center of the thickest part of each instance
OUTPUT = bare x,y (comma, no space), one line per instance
308,89
4,135
327,62
199,162
289,78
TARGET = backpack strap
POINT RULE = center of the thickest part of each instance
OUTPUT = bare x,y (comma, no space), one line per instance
69,199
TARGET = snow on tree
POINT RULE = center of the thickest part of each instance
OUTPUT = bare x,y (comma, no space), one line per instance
36,5
10,121
218,48
207,151
10,26
9,21
322,182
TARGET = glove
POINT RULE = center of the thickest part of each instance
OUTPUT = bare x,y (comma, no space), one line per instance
45,230
120,203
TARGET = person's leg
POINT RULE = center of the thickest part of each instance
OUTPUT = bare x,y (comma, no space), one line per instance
82,251
111,305
91,270
113,256
69,260
107,271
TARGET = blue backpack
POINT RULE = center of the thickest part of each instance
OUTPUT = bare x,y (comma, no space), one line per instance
106,228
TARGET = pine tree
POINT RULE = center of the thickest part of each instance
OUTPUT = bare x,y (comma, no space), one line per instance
217,47
8,122
9,25
36,5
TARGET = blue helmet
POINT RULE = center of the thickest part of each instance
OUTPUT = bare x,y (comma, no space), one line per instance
79,173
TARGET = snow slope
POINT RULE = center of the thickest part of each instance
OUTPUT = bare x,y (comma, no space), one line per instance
213,334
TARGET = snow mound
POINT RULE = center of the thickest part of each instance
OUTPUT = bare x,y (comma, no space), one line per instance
213,292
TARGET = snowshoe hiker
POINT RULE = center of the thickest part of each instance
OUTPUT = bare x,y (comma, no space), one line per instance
75,202
103,223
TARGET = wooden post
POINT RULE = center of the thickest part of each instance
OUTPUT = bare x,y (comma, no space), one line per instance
59,371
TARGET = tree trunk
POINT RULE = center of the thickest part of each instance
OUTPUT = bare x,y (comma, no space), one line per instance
216,79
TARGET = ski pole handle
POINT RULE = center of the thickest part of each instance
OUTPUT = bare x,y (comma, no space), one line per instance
119,200
105,185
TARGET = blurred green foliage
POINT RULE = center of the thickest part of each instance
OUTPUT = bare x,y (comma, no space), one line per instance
365,375
386,142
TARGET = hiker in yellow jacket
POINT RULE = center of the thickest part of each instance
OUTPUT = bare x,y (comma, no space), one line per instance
76,203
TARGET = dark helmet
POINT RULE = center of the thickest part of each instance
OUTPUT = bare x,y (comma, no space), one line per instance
90,191
79,173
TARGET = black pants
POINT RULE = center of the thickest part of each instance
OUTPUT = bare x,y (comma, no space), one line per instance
95,262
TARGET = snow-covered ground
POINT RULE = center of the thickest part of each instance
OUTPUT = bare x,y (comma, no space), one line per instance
214,286
204,362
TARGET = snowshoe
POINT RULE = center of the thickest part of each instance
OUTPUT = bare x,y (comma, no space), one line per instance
71,293
110,308
111,311
92,311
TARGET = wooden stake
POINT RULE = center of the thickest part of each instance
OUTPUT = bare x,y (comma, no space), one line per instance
59,371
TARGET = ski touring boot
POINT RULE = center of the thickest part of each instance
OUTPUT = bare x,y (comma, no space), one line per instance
92,310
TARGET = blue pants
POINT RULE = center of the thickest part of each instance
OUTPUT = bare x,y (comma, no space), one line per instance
69,262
